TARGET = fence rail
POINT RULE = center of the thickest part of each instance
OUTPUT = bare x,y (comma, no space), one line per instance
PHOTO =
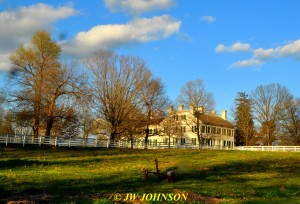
83,142
269,148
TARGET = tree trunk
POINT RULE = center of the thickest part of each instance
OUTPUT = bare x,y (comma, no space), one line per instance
131,141
49,126
146,137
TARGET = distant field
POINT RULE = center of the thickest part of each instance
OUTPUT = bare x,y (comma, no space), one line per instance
87,175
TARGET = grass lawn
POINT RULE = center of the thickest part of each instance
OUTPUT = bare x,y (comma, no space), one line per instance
87,175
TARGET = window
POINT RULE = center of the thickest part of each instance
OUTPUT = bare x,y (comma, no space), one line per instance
183,117
182,141
166,140
176,117
208,129
194,128
155,142
182,128
213,130
218,131
194,141
203,129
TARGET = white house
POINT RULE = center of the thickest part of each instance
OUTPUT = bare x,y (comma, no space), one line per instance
215,129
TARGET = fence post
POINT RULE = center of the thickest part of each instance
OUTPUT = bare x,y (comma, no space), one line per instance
96,142
6,139
55,141
40,141
107,143
24,139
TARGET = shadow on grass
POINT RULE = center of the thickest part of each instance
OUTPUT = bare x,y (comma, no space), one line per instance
265,181
66,190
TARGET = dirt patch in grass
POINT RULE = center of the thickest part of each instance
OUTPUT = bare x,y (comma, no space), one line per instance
28,196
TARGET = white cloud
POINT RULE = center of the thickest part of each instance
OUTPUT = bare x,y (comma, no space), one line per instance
220,48
261,55
118,35
236,47
4,62
291,49
240,47
264,54
248,63
184,37
135,7
208,19
17,26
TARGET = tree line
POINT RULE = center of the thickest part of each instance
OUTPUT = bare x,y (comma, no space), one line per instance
118,96
270,115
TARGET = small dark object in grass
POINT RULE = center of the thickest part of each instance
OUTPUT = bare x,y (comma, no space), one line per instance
170,173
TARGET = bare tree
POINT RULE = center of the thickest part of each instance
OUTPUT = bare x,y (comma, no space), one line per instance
44,87
32,64
134,126
171,127
291,124
64,87
269,102
116,83
6,122
154,103
193,94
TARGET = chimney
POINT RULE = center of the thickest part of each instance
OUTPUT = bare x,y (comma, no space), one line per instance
170,110
224,114
213,112
180,107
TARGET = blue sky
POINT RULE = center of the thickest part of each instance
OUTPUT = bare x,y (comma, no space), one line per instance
231,45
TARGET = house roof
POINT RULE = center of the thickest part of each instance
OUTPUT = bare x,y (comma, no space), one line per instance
215,120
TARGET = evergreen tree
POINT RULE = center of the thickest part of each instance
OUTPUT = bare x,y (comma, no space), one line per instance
244,121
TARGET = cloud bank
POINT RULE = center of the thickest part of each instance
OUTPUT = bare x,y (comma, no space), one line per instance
18,26
261,55
116,35
136,7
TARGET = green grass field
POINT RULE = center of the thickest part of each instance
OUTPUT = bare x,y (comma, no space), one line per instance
63,175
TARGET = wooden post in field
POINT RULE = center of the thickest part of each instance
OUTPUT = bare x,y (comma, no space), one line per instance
24,139
55,141
40,141
6,139
96,142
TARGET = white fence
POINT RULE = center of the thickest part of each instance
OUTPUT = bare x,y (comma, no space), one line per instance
269,148
82,142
